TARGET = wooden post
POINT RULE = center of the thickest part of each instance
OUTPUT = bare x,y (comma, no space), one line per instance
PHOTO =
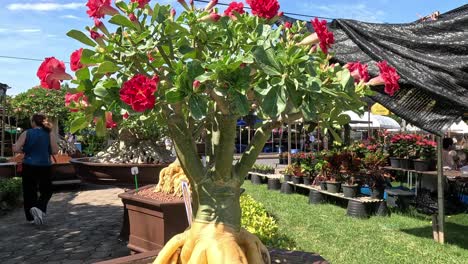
289,144
440,192
295,134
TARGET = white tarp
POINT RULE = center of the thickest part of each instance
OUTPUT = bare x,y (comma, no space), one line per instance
460,127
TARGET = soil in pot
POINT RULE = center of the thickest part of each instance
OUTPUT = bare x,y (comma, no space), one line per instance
350,191
377,193
297,180
422,165
395,162
333,187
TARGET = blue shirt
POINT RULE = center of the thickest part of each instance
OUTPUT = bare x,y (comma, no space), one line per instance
37,149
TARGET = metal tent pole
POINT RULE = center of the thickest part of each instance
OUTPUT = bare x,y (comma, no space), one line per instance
295,134
289,144
2,151
240,139
272,141
440,193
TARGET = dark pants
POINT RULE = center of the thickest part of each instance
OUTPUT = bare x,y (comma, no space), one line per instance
36,178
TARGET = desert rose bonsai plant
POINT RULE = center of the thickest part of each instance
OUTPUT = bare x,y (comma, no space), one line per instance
202,71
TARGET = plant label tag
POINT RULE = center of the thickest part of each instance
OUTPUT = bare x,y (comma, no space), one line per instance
187,201
134,170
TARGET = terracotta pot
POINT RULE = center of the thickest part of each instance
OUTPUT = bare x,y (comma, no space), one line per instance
117,174
152,223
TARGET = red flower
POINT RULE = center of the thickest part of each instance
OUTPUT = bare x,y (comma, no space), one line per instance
388,76
97,23
51,73
126,115
141,3
95,35
196,84
213,17
287,25
326,37
234,7
358,71
264,8
75,63
173,12
138,92
109,122
100,8
76,101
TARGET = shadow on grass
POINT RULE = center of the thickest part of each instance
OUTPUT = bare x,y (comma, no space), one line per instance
455,234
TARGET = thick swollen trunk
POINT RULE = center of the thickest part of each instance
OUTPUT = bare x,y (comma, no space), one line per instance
215,235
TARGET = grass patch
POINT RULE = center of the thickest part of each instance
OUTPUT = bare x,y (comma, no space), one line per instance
324,229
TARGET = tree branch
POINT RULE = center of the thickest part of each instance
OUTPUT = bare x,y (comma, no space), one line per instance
184,144
223,139
248,159
220,102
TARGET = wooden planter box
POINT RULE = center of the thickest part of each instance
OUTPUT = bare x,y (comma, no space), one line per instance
116,174
151,223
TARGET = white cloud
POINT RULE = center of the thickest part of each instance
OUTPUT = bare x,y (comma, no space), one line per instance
44,6
70,17
29,30
358,11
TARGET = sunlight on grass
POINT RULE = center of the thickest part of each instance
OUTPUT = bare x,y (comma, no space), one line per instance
326,230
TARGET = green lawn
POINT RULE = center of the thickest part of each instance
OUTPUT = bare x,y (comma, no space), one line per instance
324,229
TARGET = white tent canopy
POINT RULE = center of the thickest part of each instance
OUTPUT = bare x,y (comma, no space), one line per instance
376,121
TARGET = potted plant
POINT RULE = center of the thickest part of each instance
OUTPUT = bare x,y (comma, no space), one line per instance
283,158
298,175
425,150
321,167
351,167
288,173
373,163
335,160
203,71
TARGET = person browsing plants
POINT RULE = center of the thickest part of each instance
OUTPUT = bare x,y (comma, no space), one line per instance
37,144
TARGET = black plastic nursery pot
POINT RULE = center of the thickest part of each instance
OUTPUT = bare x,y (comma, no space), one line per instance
377,193
286,188
274,184
406,164
356,209
256,179
422,165
315,197
334,187
323,186
287,178
395,162
307,181
297,180
350,191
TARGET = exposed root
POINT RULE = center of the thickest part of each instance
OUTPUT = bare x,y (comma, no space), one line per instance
213,243
170,179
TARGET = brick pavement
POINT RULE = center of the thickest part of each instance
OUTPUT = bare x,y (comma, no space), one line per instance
83,227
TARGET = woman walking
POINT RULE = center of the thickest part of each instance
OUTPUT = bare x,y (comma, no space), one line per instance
37,144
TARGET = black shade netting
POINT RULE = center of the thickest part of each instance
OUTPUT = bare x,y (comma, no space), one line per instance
431,58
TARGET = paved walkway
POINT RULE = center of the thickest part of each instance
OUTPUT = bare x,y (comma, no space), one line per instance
83,227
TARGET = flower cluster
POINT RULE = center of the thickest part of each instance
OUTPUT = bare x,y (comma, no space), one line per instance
425,149
264,8
100,8
388,77
75,60
326,37
402,145
234,7
138,92
358,71
51,72
76,101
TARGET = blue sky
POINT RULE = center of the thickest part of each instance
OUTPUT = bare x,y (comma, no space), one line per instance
36,28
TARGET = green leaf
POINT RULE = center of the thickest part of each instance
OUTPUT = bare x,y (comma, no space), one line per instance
207,76
343,119
81,37
174,96
241,104
100,91
335,135
91,57
274,102
266,61
78,124
194,69
107,67
121,20
100,128
121,5
198,107
82,74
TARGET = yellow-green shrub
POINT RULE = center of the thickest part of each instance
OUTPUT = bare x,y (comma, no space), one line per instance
257,221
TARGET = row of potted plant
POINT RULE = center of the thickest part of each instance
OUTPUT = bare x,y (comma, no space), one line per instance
341,171
263,168
411,151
